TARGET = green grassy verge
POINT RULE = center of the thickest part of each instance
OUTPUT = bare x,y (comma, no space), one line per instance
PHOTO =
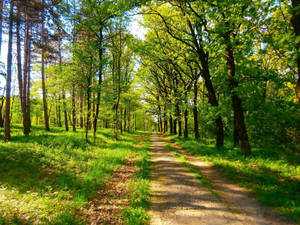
136,213
272,175
46,178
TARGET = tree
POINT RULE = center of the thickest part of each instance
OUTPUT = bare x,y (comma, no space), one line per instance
8,76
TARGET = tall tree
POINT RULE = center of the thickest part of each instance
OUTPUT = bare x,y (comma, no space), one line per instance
8,75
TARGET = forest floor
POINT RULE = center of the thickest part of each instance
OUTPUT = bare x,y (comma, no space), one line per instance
58,178
186,190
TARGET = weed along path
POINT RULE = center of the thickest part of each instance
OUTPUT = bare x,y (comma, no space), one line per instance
180,196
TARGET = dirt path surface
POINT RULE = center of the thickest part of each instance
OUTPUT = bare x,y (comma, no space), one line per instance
178,197
106,207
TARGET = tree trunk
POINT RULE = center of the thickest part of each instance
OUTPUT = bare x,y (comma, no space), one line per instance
8,76
135,121
236,101
121,123
46,117
28,119
59,111
81,111
125,124
128,128
204,68
185,116
1,20
101,52
178,119
1,114
175,125
73,109
89,82
235,131
195,110
171,124
296,24
65,110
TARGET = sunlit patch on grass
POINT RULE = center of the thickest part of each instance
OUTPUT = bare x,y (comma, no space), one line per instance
46,177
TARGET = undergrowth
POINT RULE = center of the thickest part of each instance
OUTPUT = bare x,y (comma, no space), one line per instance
45,178
136,213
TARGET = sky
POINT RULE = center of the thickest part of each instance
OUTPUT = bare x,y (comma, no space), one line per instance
134,28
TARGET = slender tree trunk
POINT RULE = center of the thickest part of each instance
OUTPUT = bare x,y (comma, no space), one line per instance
65,110
235,131
175,125
28,103
1,114
59,110
81,111
11,108
63,90
185,116
125,124
46,117
195,110
128,129
73,109
1,20
8,76
178,119
101,52
88,107
236,101
88,93
171,124
135,121
165,121
19,62
296,24
121,123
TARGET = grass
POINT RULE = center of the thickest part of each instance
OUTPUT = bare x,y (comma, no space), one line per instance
46,178
271,175
136,213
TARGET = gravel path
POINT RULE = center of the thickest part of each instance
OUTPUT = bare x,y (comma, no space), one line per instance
178,197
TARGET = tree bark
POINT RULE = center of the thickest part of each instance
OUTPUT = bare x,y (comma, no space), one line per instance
1,26
28,103
46,117
81,111
171,124
65,110
125,124
295,20
178,119
59,111
73,109
8,76
195,110
1,114
236,101
185,116
88,93
101,52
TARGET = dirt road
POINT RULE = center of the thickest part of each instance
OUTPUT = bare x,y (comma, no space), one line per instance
178,197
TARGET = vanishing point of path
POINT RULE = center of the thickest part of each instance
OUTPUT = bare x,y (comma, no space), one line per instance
178,197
